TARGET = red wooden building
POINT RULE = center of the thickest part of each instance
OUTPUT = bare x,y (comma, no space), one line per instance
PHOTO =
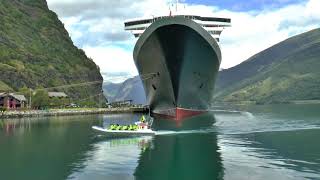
12,101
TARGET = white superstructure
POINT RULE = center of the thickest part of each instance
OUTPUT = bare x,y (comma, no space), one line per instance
213,25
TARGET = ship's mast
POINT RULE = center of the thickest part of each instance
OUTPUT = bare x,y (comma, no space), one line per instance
177,2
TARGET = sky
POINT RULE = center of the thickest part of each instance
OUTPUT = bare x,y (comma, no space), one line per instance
96,26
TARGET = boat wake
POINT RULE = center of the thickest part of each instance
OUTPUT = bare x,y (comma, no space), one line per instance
164,132
245,113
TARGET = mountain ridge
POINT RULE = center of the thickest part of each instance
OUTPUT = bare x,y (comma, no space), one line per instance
130,89
37,51
278,74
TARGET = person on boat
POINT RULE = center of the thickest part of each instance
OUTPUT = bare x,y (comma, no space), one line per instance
142,124
142,119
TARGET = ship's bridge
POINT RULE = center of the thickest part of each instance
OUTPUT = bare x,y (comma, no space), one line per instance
213,25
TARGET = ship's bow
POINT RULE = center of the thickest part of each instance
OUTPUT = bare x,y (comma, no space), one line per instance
178,61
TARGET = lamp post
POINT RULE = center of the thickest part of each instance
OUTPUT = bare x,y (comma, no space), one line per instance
30,97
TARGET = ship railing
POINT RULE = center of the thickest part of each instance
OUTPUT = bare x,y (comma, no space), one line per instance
213,23
146,23
137,27
213,28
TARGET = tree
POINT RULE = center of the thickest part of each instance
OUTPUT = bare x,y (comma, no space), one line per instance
58,102
40,99
55,102
26,92
2,110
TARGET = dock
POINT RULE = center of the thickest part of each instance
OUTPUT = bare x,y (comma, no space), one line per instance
70,112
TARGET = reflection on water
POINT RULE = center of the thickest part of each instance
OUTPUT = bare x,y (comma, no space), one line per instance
112,159
202,121
45,148
181,156
242,143
292,154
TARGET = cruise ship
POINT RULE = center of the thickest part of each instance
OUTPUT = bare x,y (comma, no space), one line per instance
178,58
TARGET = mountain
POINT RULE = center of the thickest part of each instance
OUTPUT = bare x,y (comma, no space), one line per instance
131,89
110,90
288,71
37,51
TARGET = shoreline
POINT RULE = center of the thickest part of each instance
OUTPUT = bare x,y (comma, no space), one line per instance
271,103
69,112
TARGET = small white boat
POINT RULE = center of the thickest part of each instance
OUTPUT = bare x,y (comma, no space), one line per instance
139,132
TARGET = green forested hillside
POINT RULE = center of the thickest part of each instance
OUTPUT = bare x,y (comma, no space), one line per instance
285,72
36,51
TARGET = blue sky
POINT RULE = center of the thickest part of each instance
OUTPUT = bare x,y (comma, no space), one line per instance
246,5
97,26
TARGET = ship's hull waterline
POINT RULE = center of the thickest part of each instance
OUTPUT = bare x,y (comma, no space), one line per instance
178,61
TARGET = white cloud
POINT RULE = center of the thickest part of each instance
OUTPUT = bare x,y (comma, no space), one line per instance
68,23
112,60
313,8
101,33
252,32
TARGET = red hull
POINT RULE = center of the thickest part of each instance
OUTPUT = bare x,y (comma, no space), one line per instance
178,114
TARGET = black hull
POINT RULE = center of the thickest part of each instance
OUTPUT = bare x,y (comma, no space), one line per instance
178,61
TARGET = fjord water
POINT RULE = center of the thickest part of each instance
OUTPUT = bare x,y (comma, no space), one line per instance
257,142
